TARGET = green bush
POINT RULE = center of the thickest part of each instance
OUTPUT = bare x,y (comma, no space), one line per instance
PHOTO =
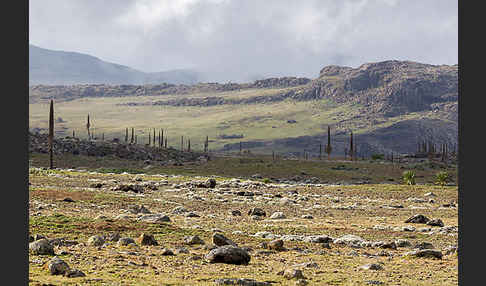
442,178
378,156
409,177
267,180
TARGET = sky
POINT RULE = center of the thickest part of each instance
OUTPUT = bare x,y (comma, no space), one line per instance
241,40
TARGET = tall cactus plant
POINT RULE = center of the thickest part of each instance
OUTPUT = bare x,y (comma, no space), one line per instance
328,147
87,127
51,134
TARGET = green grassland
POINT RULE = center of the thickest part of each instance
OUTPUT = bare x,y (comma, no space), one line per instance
264,121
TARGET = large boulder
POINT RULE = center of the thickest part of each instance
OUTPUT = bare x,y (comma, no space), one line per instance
228,254
57,266
41,247
418,218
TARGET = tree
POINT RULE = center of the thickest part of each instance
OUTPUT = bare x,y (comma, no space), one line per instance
351,147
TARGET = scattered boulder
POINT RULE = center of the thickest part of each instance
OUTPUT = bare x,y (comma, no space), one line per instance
418,218
41,247
308,216
402,243
435,222
179,210
125,241
155,218
96,240
424,245
240,281
371,266
57,266
257,212
276,244
235,212
228,254
193,239
115,236
191,214
134,209
73,273
350,240
220,240
427,253
167,252
146,239
293,273
278,215
318,239
181,250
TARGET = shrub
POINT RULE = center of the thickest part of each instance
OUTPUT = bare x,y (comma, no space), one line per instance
442,178
409,177
267,180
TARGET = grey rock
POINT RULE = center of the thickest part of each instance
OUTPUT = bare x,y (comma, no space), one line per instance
426,253
193,239
146,239
155,218
96,240
402,243
240,281
418,218
125,241
350,240
73,273
424,245
371,266
220,240
278,215
435,222
235,212
41,247
276,244
57,266
257,212
228,254
293,273
167,252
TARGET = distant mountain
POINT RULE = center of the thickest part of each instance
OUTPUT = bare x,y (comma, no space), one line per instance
67,68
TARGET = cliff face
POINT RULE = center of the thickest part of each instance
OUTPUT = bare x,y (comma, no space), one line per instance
390,87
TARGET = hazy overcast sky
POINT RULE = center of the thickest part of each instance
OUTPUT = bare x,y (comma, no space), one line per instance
237,39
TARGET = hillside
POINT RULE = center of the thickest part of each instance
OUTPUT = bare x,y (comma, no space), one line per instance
390,106
67,68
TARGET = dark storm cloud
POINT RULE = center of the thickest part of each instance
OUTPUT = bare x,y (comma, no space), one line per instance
236,39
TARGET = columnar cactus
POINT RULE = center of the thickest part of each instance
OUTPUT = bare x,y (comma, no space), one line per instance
328,147
51,134
87,127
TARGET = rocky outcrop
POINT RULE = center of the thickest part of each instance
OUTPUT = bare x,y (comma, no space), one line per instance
38,143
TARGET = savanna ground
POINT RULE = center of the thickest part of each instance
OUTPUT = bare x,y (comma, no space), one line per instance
337,210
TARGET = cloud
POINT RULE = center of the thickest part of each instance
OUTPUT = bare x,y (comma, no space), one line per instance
235,40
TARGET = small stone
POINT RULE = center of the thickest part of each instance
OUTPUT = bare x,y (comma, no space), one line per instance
301,282
68,199
293,274
146,239
417,219
257,212
235,212
115,236
125,241
73,273
427,253
191,214
96,240
166,252
179,210
276,244
402,243
435,222
155,218
278,215
307,216
181,250
424,245
194,239
371,266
